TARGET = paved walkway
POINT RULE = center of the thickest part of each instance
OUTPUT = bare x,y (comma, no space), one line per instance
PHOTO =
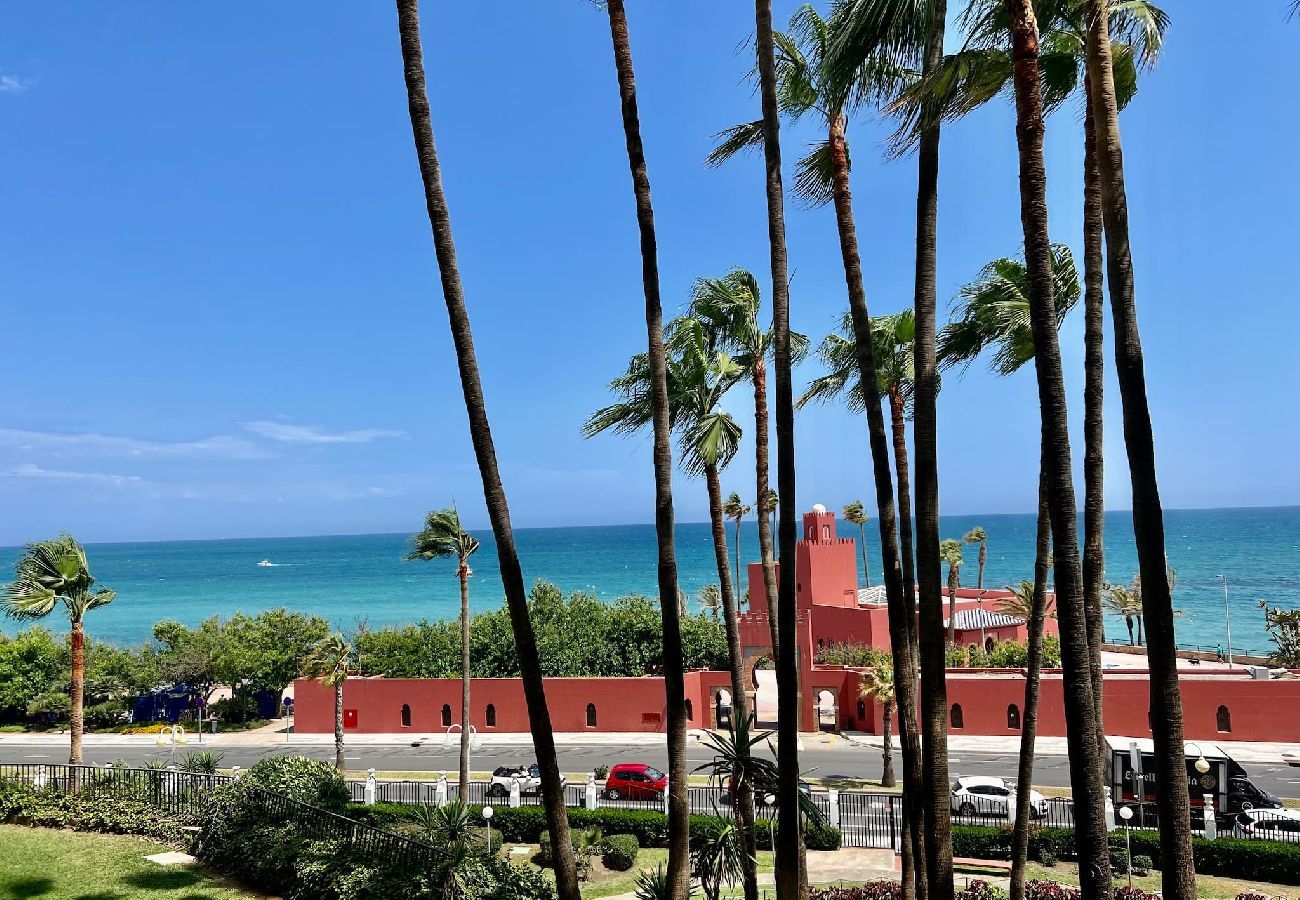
828,867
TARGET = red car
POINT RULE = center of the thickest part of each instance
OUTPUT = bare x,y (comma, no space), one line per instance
635,781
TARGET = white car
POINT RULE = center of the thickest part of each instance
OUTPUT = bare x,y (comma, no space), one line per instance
981,795
530,780
1268,824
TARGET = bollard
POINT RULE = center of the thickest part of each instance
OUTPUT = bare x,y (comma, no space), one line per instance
1110,811
1211,824
440,792
664,797
234,772
171,780
834,796
590,795
40,776
514,791
371,787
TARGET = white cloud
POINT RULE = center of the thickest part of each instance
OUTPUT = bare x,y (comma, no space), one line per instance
31,471
13,84
313,434
215,447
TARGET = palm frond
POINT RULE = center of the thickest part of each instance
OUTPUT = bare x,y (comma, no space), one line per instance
813,180
442,537
746,136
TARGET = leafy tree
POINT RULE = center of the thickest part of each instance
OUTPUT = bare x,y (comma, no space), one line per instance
30,663
1284,629
265,652
330,661
440,538
50,574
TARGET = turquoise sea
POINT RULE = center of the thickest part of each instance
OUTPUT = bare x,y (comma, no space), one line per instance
353,577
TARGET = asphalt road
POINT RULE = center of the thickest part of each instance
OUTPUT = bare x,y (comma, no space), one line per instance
841,761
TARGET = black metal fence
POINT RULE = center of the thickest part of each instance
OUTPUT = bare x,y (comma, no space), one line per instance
179,793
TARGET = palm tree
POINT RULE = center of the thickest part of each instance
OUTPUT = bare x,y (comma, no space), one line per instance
855,515
735,508
791,865
512,578
330,661
442,538
710,598
698,377
891,354
977,535
1031,597
1178,876
907,33
1082,727
729,309
1125,602
47,574
981,71
950,552
674,674
878,687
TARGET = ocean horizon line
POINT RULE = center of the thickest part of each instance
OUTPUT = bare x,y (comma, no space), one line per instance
356,534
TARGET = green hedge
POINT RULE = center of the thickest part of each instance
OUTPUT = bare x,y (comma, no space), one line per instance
97,807
1227,857
524,824
620,852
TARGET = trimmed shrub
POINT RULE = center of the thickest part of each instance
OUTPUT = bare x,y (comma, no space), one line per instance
1141,864
298,778
620,852
1046,857
1119,862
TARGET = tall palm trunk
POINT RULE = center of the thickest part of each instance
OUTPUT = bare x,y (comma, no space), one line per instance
887,745
862,540
465,717
1129,622
340,759
767,555
903,633
791,871
512,578
744,801
1178,877
679,875
1080,713
934,688
77,694
899,603
1029,719
984,555
1094,501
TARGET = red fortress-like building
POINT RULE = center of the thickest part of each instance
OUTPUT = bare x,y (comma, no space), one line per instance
832,609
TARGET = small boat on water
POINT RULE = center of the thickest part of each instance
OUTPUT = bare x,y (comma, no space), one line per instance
266,562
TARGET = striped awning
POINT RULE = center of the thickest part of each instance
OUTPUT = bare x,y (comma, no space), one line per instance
975,619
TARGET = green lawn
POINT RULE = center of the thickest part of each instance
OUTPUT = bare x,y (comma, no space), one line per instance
65,865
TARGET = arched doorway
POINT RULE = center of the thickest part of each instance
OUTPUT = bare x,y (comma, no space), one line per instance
722,708
827,710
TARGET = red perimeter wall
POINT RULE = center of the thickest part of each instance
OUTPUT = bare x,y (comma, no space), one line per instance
622,704
1257,710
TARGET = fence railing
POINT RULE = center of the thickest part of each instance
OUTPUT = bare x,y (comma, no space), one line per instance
179,793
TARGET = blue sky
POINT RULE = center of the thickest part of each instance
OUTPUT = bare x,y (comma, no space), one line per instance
221,304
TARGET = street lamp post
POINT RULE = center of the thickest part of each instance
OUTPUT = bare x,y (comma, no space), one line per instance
487,827
1127,814
1227,618
288,711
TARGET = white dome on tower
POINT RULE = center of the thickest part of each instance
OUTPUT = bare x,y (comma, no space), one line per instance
819,508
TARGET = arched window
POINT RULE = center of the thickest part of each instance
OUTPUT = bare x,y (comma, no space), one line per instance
862,709
491,716
690,711
955,716
446,715
1224,719
1013,716
406,715
591,715
826,532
